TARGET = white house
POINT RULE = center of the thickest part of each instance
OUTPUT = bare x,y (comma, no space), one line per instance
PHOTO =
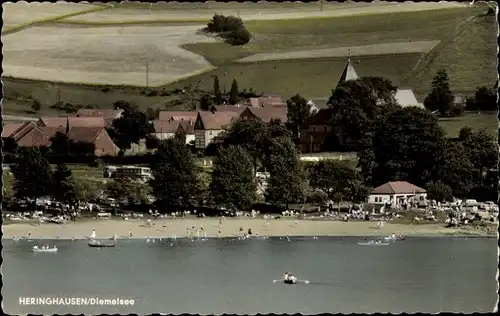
396,193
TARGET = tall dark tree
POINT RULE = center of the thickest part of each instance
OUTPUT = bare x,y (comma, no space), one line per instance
234,93
233,183
355,105
482,149
175,179
217,92
126,190
454,168
404,146
486,99
131,127
298,112
339,181
64,189
287,182
60,144
440,98
32,174
439,191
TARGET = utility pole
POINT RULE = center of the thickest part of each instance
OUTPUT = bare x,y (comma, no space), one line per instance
147,75
321,5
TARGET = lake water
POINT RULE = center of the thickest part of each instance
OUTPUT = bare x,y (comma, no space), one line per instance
236,276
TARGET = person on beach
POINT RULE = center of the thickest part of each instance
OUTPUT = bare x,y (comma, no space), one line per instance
249,231
129,233
93,234
220,221
29,234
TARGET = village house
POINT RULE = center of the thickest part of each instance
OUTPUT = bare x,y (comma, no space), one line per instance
167,129
178,116
266,114
79,130
109,115
316,105
396,194
209,124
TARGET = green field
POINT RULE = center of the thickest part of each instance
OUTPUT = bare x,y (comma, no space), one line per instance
476,121
467,50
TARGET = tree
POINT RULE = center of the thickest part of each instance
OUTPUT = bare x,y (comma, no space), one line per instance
60,144
454,168
482,148
32,174
439,192
355,105
403,146
233,183
287,182
152,142
175,181
298,112
485,99
180,135
36,105
217,93
440,98
64,189
233,98
124,189
238,37
152,114
131,127
338,181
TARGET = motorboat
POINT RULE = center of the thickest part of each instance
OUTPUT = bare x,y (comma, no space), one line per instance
98,244
373,243
394,238
44,249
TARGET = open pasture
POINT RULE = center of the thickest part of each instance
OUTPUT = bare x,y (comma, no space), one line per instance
474,120
247,11
16,15
104,55
364,50
312,78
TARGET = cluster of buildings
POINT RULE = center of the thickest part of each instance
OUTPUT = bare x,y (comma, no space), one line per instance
200,127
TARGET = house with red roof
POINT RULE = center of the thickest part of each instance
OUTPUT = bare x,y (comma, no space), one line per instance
396,193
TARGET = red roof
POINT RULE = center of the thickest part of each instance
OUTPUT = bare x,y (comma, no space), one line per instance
398,187
271,113
165,126
216,120
106,113
177,115
9,129
72,121
84,134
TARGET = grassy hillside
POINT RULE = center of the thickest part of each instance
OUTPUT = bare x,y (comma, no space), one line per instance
311,78
467,51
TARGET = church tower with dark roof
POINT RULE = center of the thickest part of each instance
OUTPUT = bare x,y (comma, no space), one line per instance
349,73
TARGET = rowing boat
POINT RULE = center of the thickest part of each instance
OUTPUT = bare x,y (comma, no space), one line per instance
36,249
371,243
97,244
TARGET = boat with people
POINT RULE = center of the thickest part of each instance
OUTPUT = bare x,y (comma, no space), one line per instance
45,249
393,237
289,278
373,243
98,244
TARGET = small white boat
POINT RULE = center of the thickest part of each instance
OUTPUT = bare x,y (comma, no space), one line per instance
373,243
41,249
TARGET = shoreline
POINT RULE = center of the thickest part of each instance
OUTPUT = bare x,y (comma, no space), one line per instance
230,228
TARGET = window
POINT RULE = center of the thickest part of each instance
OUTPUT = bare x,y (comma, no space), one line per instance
210,133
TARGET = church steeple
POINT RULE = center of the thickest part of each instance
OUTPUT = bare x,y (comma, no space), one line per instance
349,72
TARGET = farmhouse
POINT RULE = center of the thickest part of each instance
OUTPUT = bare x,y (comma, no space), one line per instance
209,124
178,116
108,114
71,121
168,129
396,194
266,114
316,105
40,135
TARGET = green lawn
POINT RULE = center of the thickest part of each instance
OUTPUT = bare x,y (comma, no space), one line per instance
311,78
486,120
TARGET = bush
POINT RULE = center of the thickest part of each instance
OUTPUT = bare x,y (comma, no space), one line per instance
456,110
238,37
230,28
36,105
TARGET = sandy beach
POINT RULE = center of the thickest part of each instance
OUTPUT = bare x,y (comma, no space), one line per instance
106,228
